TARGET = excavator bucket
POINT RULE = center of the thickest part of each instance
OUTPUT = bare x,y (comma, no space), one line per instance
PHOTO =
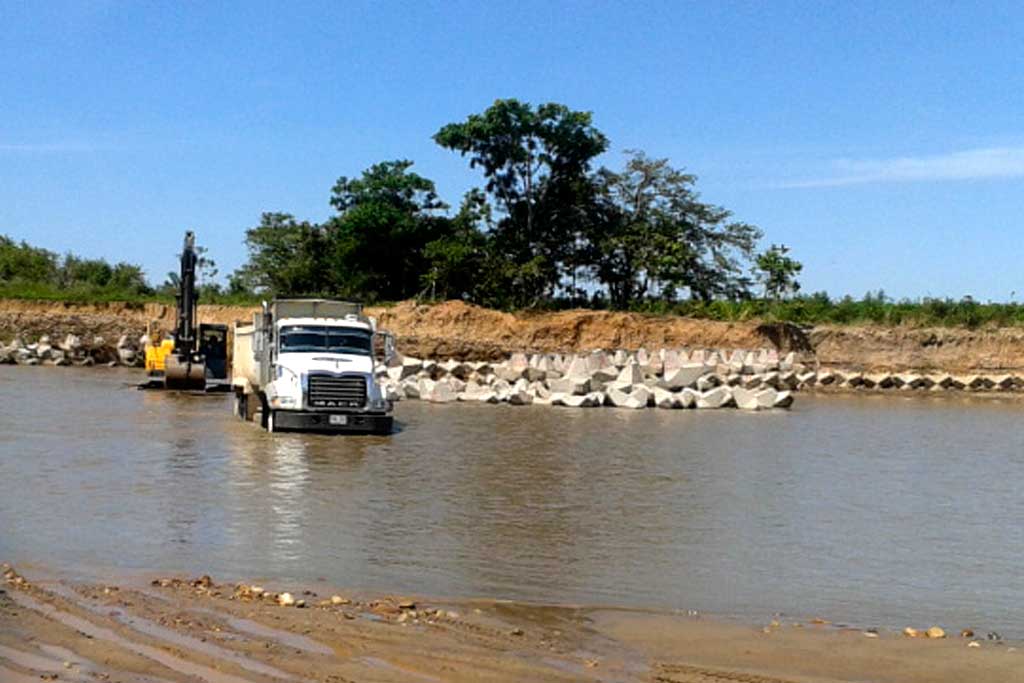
187,375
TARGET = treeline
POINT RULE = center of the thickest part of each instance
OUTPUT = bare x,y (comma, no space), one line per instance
545,226
28,271
873,308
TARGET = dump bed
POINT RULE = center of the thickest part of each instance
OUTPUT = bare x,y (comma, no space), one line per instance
244,371
314,308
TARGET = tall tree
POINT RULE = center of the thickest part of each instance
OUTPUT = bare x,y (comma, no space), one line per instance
649,233
378,239
535,161
286,257
777,271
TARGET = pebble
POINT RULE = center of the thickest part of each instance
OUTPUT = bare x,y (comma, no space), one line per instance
517,631
285,600
406,604
452,615
967,633
338,600
974,643
911,632
935,632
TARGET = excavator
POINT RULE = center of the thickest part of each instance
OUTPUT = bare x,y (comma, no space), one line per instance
194,358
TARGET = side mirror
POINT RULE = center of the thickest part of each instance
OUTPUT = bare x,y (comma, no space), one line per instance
389,347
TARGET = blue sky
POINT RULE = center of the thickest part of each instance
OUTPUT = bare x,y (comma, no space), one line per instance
883,142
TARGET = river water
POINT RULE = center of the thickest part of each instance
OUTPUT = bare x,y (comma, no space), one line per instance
868,510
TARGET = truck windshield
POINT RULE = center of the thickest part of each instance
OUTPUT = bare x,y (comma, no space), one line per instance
312,338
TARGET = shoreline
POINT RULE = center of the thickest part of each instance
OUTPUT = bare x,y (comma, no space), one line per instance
170,627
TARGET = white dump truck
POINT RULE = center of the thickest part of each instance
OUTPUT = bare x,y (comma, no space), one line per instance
309,365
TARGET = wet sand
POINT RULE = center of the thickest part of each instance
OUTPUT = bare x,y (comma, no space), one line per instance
149,630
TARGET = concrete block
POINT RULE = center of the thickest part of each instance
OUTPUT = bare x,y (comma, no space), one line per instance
718,397
510,373
635,399
752,381
784,399
629,375
410,388
664,398
688,398
591,400
1002,382
536,374
708,382
520,397
746,399
671,360
442,391
684,376
826,378
574,385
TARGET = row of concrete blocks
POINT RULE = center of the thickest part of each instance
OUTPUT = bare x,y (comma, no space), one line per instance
615,394
70,351
664,362
912,381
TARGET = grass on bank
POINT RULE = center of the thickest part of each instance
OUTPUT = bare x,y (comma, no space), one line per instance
815,309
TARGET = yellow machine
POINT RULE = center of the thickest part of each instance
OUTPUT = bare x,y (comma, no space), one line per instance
157,350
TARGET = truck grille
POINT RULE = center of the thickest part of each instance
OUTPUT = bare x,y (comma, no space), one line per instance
326,391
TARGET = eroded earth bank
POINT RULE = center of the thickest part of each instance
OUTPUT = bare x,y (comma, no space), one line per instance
457,330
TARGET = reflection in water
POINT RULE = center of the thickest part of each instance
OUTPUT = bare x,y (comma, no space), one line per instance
872,511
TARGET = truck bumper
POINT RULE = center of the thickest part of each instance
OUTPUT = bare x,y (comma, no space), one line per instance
358,423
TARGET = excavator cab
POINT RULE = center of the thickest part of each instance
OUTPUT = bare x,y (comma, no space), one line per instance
213,344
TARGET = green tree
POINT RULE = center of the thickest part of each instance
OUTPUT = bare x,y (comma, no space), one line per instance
777,272
82,272
535,161
25,263
378,240
128,277
286,258
456,262
649,234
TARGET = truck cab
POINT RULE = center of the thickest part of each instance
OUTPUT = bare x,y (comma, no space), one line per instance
312,368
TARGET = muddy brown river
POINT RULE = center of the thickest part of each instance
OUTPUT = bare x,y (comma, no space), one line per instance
874,511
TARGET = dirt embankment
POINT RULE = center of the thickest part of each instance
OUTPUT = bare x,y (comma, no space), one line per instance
455,329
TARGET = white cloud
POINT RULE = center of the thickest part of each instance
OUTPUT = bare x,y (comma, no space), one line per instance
972,164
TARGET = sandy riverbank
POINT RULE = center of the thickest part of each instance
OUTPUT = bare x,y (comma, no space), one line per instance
146,629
